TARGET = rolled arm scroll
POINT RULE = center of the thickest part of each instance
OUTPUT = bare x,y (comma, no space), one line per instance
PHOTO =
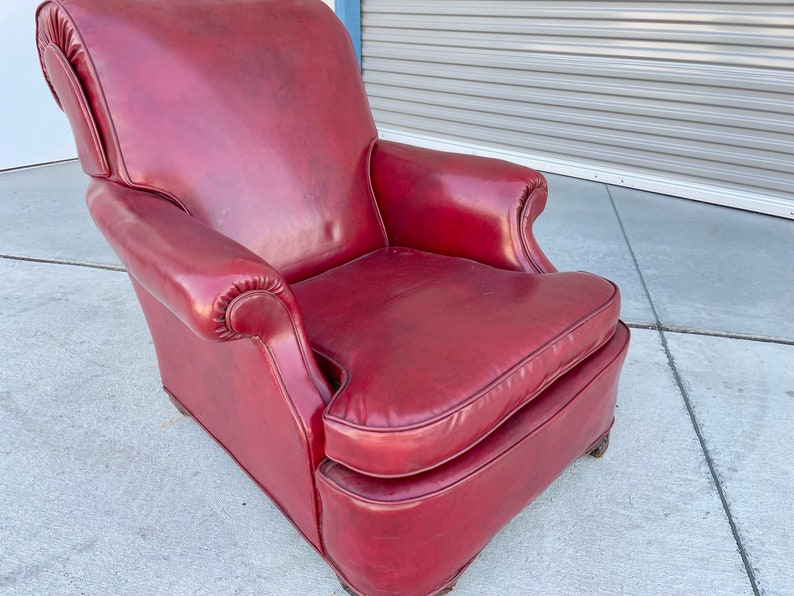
222,292
460,205
192,269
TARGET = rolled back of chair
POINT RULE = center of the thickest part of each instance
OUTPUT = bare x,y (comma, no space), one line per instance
250,115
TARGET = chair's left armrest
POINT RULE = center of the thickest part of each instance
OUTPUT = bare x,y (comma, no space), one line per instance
222,292
195,271
460,205
218,288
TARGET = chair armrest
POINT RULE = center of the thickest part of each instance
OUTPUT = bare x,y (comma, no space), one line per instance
460,205
218,288
192,269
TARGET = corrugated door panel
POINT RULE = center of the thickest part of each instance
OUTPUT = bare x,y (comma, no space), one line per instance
693,96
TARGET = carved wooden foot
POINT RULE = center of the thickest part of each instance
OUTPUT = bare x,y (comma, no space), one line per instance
601,447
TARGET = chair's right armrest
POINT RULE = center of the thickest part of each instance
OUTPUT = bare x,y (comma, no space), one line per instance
460,205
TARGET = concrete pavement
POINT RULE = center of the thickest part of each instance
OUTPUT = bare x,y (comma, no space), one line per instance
105,488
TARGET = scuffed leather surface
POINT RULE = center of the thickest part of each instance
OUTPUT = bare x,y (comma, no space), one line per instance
460,205
412,534
441,350
238,131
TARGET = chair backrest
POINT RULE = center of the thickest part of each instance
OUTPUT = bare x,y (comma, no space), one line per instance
250,114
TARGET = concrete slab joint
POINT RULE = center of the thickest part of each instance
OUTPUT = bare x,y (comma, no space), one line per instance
105,488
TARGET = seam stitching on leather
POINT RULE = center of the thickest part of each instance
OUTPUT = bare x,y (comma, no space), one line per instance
480,468
344,369
371,189
473,398
300,423
197,417
123,170
92,68
301,340
525,213
224,304
82,103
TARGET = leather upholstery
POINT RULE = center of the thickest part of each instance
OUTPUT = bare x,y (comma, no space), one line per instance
54,26
284,131
75,105
495,339
369,329
424,530
481,209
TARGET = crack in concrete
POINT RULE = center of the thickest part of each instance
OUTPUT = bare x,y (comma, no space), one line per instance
657,326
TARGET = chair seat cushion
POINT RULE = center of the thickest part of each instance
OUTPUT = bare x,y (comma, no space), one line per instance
437,352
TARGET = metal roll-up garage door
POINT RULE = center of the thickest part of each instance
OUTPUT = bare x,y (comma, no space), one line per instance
693,99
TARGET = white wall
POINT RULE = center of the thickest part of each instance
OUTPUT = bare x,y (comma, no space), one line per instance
32,128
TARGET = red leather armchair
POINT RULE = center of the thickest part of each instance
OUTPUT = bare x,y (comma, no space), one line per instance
369,329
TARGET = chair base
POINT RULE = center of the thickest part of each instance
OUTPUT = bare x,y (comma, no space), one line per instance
597,450
414,536
410,536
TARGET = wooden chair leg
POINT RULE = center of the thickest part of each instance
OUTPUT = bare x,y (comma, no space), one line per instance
601,447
